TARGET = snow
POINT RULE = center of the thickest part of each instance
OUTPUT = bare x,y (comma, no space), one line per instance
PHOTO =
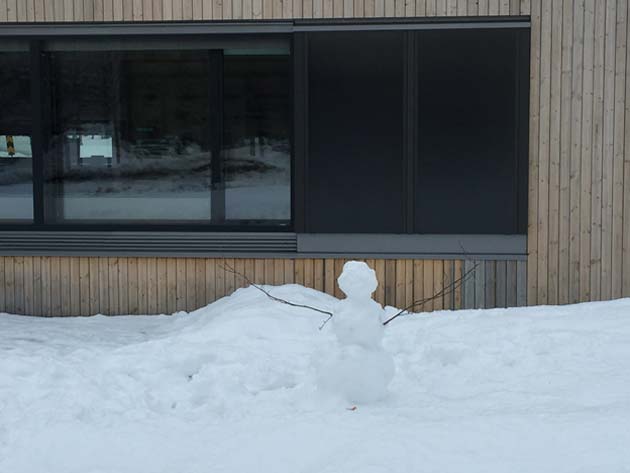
356,367
232,388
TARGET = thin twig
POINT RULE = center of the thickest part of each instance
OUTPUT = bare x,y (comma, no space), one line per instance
227,267
445,290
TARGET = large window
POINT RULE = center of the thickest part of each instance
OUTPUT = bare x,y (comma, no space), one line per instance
16,170
415,130
169,136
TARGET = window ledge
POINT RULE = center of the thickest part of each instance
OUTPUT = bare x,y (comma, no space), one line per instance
261,244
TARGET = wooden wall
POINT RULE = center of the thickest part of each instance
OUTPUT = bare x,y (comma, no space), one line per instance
579,171
160,10
52,286
579,184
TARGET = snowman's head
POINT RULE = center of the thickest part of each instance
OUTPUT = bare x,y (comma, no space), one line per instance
357,280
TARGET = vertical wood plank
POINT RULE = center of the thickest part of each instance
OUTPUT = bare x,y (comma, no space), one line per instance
219,275
553,196
37,286
428,288
55,285
598,150
521,283
113,286
586,152
418,280
610,60
211,285
501,284
103,285
438,284
3,288
190,285
298,267
408,283
200,283
95,306
156,10
390,282
576,150
123,286
544,152
510,284
180,284
625,289
9,284
133,284
289,268
143,286
490,284
621,98
118,10
480,285
152,287
458,274
534,133
565,152
318,274
19,284
329,276
401,287
469,285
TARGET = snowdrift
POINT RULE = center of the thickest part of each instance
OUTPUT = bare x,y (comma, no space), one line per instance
231,388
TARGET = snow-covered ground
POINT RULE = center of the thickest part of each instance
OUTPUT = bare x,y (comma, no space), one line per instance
232,388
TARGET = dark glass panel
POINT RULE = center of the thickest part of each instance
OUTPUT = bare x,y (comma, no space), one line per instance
16,169
256,143
130,139
355,164
468,103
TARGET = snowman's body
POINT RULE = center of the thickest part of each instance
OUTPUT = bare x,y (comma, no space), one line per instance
357,368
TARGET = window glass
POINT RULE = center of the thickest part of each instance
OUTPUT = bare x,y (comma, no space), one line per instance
355,161
170,136
256,145
468,144
130,136
16,157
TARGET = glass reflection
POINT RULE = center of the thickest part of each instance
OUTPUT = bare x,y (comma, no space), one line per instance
256,148
129,136
16,170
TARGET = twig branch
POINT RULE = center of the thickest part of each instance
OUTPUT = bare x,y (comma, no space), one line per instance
228,268
445,290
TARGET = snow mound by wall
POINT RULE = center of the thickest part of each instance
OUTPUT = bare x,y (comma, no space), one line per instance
231,387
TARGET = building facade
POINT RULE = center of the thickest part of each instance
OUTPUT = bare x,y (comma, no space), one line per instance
150,148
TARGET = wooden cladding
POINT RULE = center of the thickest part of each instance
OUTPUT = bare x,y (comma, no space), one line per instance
166,10
53,286
579,184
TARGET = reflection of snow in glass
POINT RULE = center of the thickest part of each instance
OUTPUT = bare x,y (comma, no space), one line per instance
177,186
94,145
22,145
16,179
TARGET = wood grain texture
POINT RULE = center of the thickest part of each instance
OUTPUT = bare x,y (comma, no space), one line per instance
72,286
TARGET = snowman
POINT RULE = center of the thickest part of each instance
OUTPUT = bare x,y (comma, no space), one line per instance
357,367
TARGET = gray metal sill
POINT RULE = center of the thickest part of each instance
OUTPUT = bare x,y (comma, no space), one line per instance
261,245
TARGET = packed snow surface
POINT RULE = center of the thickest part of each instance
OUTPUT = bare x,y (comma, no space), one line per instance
231,388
